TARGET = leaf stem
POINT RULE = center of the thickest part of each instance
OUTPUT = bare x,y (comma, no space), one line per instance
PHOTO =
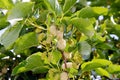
63,56
35,25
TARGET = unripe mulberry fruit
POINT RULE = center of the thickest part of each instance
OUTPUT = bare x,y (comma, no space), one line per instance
61,44
64,76
53,30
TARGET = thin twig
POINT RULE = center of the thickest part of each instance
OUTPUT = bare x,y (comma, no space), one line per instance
37,26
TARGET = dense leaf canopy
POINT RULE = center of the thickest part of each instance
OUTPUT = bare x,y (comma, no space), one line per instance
60,39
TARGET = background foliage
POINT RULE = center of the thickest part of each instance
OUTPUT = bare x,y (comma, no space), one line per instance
60,40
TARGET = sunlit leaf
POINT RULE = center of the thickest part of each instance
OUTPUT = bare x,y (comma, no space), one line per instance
10,35
102,72
6,4
84,25
35,63
26,41
68,5
20,10
114,69
89,12
95,63
53,6
55,57
100,10
53,74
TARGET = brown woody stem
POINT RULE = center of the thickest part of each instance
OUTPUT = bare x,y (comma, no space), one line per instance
63,56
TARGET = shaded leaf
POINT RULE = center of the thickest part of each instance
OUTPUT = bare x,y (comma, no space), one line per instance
26,41
68,5
84,49
20,10
10,35
19,68
3,22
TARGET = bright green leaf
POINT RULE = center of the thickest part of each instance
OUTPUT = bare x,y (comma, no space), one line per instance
53,74
26,41
84,25
100,10
20,10
86,12
89,12
6,4
95,63
68,5
102,72
114,69
10,35
35,63
55,57
84,49
53,5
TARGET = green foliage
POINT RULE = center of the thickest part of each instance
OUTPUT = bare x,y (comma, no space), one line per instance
22,10
26,41
8,38
6,4
96,63
80,23
67,6
53,6
89,12
60,39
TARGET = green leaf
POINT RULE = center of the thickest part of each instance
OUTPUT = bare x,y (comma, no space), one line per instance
55,57
84,25
20,10
68,5
19,68
102,72
35,63
53,74
3,22
114,69
100,10
2,55
6,4
89,12
84,49
26,41
95,63
10,36
53,5
86,12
